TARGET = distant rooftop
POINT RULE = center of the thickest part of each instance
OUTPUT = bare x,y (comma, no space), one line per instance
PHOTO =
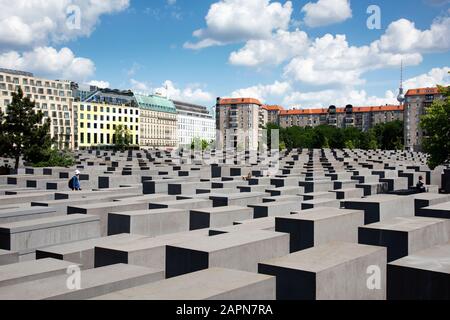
190,107
16,72
228,101
155,103
422,91
341,110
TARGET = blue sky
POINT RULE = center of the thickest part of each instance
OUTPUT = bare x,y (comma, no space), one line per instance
149,46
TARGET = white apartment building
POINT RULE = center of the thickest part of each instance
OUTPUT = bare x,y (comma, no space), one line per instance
194,122
52,97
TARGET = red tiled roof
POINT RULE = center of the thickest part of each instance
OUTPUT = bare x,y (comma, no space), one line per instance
273,108
422,91
227,101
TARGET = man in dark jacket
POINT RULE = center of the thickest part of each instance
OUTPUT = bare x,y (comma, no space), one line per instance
75,183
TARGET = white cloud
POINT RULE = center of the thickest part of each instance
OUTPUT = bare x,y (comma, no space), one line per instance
403,37
49,62
330,60
171,2
29,23
349,95
191,93
282,46
99,83
262,92
326,12
325,98
431,79
140,87
230,21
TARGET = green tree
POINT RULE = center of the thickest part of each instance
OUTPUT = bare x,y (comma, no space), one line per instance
123,138
390,136
202,143
24,133
436,126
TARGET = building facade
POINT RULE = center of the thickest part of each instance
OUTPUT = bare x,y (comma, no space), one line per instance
52,97
97,123
273,113
101,112
158,120
362,118
239,123
194,122
416,104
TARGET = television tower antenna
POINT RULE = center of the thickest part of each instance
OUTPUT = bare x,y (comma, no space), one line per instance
401,94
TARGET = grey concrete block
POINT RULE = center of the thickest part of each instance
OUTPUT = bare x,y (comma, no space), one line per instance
146,252
26,236
424,275
94,282
441,210
334,271
203,285
319,226
272,209
8,257
82,252
382,207
241,251
218,216
151,223
12,274
405,236
102,209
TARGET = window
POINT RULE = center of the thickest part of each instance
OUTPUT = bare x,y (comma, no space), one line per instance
81,137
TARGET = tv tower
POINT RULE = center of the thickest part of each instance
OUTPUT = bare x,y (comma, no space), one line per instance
401,94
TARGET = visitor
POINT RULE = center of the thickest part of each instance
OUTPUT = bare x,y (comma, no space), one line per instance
74,183
248,177
420,186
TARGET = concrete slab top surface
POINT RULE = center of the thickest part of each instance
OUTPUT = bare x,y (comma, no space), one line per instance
227,240
324,257
274,204
242,195
442,206
34,224
193,286
321,214
431,196
108,205
54,286
90,243
378,198
436,259
156,242
225,209
405,224
23,269
149,212
24,211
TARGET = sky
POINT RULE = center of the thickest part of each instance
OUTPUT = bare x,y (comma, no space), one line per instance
298,54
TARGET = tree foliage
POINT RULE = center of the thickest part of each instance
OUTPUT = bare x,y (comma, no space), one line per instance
436,126
23,132
123,138
386,136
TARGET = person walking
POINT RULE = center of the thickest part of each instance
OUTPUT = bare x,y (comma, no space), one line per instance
74,183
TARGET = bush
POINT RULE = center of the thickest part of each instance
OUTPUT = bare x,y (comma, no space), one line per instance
56,159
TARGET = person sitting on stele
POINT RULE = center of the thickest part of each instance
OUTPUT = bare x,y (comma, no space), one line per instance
421,185
74,183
